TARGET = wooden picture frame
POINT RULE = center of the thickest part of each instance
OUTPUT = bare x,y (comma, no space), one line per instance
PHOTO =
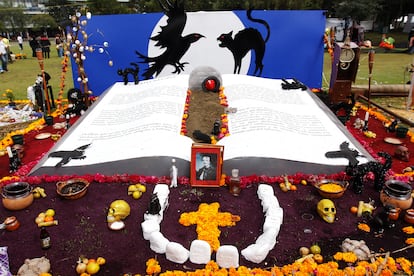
206,165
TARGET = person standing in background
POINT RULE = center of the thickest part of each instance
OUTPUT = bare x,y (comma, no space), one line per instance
3,56
34,44
59,46
20,41
45,43
411,41
6,42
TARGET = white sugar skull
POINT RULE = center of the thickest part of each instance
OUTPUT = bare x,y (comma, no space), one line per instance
326,209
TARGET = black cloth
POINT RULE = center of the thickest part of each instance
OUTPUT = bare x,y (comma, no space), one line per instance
207,173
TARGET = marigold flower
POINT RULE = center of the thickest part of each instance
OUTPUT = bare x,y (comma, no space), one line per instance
409,241
408,230
364,227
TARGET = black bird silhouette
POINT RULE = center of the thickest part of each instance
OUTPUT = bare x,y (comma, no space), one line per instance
67,155
170,37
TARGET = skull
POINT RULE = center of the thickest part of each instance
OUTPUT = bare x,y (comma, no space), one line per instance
326,209
118,210
402,153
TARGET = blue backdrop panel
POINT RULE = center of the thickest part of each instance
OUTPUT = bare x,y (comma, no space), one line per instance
294,48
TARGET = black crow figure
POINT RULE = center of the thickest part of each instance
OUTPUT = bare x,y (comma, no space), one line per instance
66,155
170,37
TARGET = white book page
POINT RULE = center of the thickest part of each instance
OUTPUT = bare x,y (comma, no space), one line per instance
276,123
132,121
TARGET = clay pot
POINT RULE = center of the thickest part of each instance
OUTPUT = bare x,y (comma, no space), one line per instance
17,196
394,214
397,194
11,223
409,216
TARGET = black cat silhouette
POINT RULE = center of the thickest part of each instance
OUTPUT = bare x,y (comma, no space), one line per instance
134,71
244,41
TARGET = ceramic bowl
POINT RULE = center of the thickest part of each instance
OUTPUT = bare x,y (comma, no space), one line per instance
73,188
331,188
17,196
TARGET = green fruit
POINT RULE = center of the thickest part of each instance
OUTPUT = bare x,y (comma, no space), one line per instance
315,249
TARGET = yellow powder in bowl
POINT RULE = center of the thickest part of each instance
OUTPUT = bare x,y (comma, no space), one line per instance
331,188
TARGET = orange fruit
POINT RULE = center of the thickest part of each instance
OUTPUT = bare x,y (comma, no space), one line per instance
48,218
318,258
92,268
353,209
100,260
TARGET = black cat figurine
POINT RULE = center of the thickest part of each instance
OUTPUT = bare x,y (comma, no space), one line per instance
134,71
244,41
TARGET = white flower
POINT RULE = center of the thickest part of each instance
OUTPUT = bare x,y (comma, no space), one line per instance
88,15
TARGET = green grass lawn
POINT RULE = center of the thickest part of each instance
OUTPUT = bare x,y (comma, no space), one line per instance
389,68
23,72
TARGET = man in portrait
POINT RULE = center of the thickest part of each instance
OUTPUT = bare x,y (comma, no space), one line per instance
207,170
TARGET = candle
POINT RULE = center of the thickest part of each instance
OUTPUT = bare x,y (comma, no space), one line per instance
9,152
366,116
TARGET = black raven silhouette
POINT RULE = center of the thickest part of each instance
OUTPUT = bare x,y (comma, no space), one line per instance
67,155
170,37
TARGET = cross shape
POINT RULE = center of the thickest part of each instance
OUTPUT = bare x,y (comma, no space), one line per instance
208,219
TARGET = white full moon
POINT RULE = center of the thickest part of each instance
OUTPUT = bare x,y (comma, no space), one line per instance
206,51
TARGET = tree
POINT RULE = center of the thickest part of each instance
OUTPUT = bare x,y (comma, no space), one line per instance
61,10
357,10
106,7
13,19
43,22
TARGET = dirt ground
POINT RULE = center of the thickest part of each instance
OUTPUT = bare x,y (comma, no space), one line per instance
204,110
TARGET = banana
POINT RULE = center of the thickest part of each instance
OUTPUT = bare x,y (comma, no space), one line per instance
39,192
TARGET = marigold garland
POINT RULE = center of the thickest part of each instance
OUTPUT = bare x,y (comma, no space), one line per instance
309,267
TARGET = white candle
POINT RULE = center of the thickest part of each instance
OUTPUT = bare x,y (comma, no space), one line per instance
366,116
9,152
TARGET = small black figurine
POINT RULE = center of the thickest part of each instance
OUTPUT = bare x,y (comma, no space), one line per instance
216,128
154,207
77,102
14,160
393,126
381,221
130,71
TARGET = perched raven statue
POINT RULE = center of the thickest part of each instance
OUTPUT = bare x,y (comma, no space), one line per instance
170,38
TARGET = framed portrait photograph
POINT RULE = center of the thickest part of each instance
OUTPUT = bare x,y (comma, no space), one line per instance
206,165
